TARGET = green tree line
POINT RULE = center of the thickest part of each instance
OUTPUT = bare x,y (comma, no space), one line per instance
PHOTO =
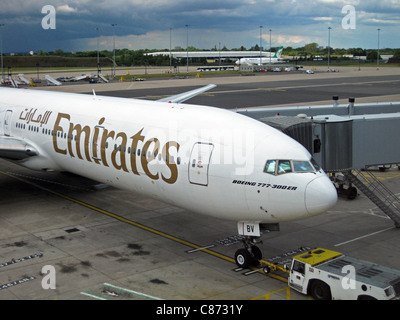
128,57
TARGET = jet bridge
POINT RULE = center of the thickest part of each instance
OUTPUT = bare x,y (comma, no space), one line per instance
345,138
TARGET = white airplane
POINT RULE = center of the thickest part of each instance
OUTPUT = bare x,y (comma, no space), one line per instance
264,60
207,160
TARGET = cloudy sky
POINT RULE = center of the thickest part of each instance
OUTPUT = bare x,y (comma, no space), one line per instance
231,23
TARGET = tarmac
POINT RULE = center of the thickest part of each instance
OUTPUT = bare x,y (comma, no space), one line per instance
102,243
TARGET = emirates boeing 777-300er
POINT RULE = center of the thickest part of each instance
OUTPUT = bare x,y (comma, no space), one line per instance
207,160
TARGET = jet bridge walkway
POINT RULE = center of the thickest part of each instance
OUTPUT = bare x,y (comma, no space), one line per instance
346,139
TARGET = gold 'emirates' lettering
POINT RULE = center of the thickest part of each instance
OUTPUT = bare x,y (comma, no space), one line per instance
101,137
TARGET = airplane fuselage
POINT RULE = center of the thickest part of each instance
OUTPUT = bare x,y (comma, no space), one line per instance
258,61
207,160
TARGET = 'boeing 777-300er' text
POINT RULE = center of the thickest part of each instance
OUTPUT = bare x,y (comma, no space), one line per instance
204,159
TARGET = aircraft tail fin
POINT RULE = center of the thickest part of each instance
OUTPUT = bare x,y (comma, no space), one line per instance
278,53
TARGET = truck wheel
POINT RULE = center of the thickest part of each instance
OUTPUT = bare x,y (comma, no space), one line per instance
351,193
243,258
366,298
320,291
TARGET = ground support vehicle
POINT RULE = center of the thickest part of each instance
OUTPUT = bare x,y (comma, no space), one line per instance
326,274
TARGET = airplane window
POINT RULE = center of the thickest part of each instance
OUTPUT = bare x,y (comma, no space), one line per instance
270,167
178,160
284,166
315,164
302,166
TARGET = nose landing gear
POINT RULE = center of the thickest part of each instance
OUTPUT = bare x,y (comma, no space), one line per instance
250,255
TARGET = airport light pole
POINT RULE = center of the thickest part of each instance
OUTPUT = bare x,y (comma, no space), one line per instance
113,25
270,46
1,45
187,48
98,55
219,49
170,48
329,48
261,45
377,59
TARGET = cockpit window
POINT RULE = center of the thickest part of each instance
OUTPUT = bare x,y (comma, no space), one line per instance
315,164
276,167
302,166
270,167
284,166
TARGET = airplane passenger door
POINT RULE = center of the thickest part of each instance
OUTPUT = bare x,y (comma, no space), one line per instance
199,163
7,123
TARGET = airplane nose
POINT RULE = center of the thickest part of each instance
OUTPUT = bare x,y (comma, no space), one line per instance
320,195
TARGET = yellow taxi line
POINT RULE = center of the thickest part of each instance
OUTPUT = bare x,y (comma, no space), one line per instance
141,226
122,219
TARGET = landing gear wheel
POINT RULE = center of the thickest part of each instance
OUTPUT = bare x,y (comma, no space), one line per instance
256,252
243,258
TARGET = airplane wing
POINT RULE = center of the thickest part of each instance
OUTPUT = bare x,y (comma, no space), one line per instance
187,95
15,149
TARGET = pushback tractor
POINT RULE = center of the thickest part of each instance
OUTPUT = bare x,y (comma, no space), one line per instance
326,275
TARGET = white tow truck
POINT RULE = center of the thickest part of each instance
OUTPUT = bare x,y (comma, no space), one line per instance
326,275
